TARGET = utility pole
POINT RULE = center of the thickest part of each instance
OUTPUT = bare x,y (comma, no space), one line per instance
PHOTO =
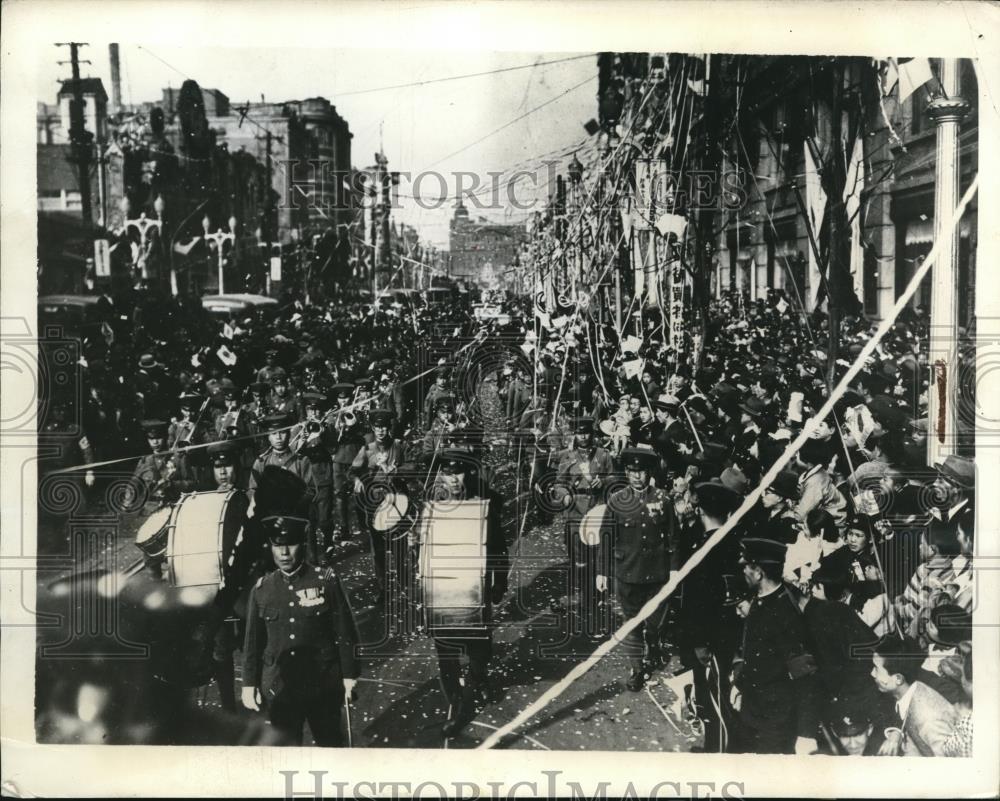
266,229
947,112
80,138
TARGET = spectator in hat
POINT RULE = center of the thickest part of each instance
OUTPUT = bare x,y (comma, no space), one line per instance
924,720
299,660
777,705
774,514
638,548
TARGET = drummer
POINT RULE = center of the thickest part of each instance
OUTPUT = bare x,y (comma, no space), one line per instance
279,454
459,479
374,473
226,472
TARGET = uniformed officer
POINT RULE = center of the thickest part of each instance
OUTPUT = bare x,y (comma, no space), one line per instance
777,703
459,478
299,652
582,477
279,453
181,431
256,409
230,423
639,546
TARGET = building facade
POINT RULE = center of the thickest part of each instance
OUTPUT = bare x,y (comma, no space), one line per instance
480,250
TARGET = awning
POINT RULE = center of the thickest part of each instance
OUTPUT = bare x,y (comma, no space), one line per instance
921,232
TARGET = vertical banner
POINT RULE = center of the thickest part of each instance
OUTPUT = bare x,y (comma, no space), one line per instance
102,258
676,307
275,268
815,209
652,185
852,203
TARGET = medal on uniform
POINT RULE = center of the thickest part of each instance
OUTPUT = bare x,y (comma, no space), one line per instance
310,596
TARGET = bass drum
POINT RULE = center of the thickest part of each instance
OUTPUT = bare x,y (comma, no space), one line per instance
201,535
453,565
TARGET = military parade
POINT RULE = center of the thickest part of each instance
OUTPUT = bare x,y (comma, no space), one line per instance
646,484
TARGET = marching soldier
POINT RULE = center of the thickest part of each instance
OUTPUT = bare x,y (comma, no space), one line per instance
229,423
256,408
434,394
181,431
459,479
226,468
282,399
298,654
346,438
639,546
279,453
374,472
581,479
162,472
313,436
444,431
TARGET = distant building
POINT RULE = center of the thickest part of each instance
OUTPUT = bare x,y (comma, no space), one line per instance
482,250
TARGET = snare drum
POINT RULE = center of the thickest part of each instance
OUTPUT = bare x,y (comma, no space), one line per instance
453,564
201,534
151,538
395,516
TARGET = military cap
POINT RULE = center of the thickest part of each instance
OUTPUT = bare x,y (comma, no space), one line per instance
667,403
147,361
834,568
760,551
342,390
454,461
714,496
638,459
849,717
259,387
315,400
276,420
229,389
284,530
364,383
441,372
189,400
583,425
445,402
279,376
154,428
957,470
222,453
381,417
786,484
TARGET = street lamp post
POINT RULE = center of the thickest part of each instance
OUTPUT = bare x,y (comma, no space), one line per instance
219,237
143,225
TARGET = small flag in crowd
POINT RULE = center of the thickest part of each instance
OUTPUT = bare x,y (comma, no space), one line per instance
631,344
227,331
195,360
913,73
633,368
226,356
671,224
108,333
782,306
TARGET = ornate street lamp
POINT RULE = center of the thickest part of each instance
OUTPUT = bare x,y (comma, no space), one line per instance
220,237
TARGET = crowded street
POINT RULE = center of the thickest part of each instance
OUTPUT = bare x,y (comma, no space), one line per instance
653,467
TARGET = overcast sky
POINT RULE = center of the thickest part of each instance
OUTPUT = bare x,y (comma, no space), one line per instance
421,127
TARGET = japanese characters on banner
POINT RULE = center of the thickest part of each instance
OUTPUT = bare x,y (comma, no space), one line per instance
652,189
676,306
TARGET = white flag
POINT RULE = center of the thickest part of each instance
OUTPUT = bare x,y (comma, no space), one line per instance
227,331
633,368
226,356
671,224
631,344
781,306
913,74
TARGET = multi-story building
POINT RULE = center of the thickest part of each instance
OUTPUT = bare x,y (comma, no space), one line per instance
481,250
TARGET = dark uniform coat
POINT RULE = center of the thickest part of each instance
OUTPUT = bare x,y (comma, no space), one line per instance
300,633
